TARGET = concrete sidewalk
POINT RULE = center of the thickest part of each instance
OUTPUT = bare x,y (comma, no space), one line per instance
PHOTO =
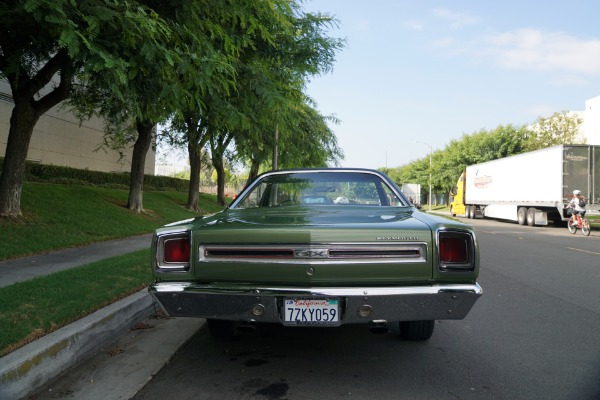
32,368
24,268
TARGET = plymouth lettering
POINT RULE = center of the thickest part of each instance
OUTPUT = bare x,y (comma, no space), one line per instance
397,238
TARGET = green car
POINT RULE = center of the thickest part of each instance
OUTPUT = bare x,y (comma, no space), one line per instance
318,247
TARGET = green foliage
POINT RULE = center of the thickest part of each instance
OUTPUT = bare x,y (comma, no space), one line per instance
228,176
560,128
36,172
307,139
273,46
53,50
226,64
448,164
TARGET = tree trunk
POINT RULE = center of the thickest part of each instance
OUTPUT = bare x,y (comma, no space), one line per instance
217,160
138,163
218,146
254,167
24,116
194,187
22,121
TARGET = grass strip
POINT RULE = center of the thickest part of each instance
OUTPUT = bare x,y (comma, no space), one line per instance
34,308
58,216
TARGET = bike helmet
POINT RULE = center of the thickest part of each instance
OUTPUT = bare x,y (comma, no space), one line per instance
576,192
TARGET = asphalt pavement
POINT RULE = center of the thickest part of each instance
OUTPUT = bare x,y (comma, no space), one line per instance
109,354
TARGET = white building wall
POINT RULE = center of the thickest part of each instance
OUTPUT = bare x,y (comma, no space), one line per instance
591,121
59,139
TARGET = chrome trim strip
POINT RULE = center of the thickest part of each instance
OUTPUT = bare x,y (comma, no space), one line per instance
333,253
174,287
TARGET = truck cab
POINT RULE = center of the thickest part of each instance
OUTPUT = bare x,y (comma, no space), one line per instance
457,206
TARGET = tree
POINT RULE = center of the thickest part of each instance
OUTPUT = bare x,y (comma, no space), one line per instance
170,76
560,128
45,45
450,162
270,78
305,140
243,26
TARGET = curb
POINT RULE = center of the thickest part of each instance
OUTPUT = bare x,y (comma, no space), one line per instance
32,366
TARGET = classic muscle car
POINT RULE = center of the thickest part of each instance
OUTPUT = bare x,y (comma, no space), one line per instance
318,247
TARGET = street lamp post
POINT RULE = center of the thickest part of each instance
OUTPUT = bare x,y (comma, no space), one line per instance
430,164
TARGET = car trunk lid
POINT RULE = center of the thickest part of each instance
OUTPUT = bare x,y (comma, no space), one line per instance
308,246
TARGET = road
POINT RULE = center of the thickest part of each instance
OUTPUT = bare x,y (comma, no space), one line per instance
534,334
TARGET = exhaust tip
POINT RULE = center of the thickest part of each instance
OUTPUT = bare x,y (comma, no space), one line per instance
379,327
246,327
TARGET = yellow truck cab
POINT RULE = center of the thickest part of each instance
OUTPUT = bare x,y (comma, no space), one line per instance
457,206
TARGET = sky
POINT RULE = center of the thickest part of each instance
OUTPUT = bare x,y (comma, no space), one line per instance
415,75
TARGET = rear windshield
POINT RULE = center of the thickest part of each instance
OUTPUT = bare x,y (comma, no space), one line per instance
319,189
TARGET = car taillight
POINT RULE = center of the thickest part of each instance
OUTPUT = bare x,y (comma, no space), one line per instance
453,249
177,250
173,251
456,251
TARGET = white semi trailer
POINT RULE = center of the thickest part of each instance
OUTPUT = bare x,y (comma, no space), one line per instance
530,188
413,192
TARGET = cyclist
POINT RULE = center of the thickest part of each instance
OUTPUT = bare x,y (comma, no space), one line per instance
577,204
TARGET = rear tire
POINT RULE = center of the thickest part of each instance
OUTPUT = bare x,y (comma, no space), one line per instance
586,229
416,330
522,215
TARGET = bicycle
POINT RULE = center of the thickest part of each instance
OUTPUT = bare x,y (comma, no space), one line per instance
576,222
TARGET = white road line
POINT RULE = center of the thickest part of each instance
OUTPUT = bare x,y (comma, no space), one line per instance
583,251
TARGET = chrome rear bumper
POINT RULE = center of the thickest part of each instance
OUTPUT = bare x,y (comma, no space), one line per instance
241,302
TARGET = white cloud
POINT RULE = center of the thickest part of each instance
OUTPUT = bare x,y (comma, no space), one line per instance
530,49
456,19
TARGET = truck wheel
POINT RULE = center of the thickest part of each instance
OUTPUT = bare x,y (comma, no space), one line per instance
473,211
470,212
416,330
452,212
531,216
522,215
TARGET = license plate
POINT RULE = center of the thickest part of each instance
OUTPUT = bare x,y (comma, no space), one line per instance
311,312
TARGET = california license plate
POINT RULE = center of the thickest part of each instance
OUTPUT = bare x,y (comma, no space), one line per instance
311,312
